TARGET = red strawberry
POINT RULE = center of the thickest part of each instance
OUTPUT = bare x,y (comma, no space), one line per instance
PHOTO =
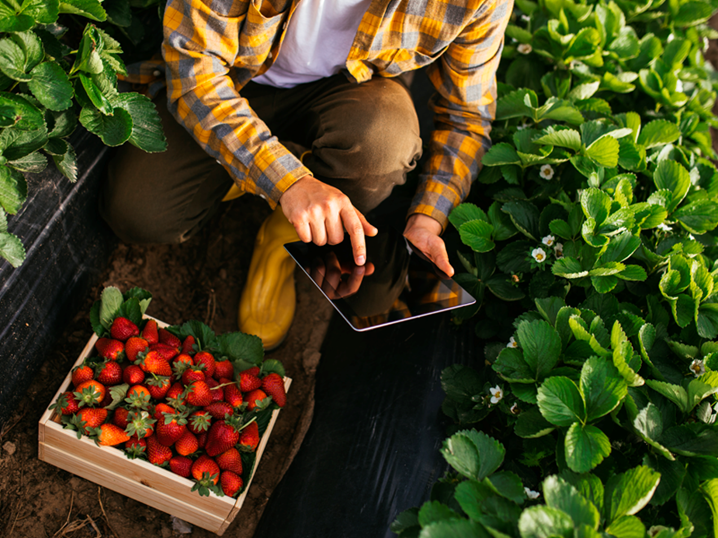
214,387
160,409
154,363
170,429
170,339
231,460
206,472
134,346
254,370
199,421
66,404
110,435
180,363
89,417
109,373
232,395
135,448
273,384
192,374
219,410
140,424
198,394
90,393
176,396
208,360
119,417
253,397
157,453
248,382
187,345
138,397
249,437
82,373
223,369
231,483
133,375
187,444
202,439
158,386
223,435
167,352
181,465
149,333
123,328
109,349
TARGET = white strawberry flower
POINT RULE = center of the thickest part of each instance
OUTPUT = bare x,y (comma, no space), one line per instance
526,18
539,255
522,126
664,227
549,240
515,409
546,171
558,250
497,394
690,236
512,342
524,48
697,367
531,494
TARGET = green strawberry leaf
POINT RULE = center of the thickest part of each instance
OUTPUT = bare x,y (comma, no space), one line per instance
585,447
629,492
563,496
560,401
110,303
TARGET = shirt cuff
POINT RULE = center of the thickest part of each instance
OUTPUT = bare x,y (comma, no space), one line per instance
436,200
274,169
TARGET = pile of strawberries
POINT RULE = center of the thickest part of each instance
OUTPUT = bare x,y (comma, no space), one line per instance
157,397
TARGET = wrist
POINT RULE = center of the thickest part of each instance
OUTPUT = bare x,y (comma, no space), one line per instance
419,220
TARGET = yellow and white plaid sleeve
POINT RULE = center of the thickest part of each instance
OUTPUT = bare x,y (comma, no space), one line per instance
200,46
464,106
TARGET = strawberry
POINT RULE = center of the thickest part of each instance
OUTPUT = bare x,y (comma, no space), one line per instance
273,384
181,465
232,395
231,460
119,417
207,360
82,373
157,453
249,437
167,352
223,369
133,375
66,404
187,444
170,339
188,345
160,409
176,396
255,396
109,349
89,417
123,328
109,435
223,435
219,410
254,370
231,483
248,382
202,439
109,373
140,424
138,397
158,386
135,448
149,333
134,346
192,374
206,472
90,393
199,421
198,394
171,428
216,389
154,363
180,363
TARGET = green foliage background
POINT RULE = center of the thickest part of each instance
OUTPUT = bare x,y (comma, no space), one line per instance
593,226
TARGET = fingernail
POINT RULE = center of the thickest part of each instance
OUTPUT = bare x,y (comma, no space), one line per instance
360,260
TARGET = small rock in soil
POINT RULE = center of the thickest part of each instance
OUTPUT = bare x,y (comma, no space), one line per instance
180,526
10,448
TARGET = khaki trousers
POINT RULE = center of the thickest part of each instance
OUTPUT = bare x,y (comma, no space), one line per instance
364,138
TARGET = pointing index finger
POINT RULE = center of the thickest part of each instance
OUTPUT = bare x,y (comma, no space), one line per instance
354,228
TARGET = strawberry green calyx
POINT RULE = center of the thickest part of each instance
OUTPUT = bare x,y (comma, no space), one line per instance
140,424
208,483
138,400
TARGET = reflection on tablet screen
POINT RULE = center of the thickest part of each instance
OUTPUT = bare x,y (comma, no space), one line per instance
396,284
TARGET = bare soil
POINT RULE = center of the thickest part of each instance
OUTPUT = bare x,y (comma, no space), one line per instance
201,279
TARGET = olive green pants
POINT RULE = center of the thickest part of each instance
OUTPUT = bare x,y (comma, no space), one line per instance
364,139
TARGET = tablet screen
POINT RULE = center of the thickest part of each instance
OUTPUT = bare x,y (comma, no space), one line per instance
396,284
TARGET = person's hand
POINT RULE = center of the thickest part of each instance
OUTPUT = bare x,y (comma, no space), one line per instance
320,213
328,271
424,233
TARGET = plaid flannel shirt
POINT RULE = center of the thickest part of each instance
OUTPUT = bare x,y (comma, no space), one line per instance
212,48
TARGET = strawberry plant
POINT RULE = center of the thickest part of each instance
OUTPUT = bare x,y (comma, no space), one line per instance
593,227
180,397
52,76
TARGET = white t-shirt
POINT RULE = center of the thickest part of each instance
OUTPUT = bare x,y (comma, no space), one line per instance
317,42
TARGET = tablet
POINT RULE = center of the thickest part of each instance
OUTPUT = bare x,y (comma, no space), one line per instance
397,283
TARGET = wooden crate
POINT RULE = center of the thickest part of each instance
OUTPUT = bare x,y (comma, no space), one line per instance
137,479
